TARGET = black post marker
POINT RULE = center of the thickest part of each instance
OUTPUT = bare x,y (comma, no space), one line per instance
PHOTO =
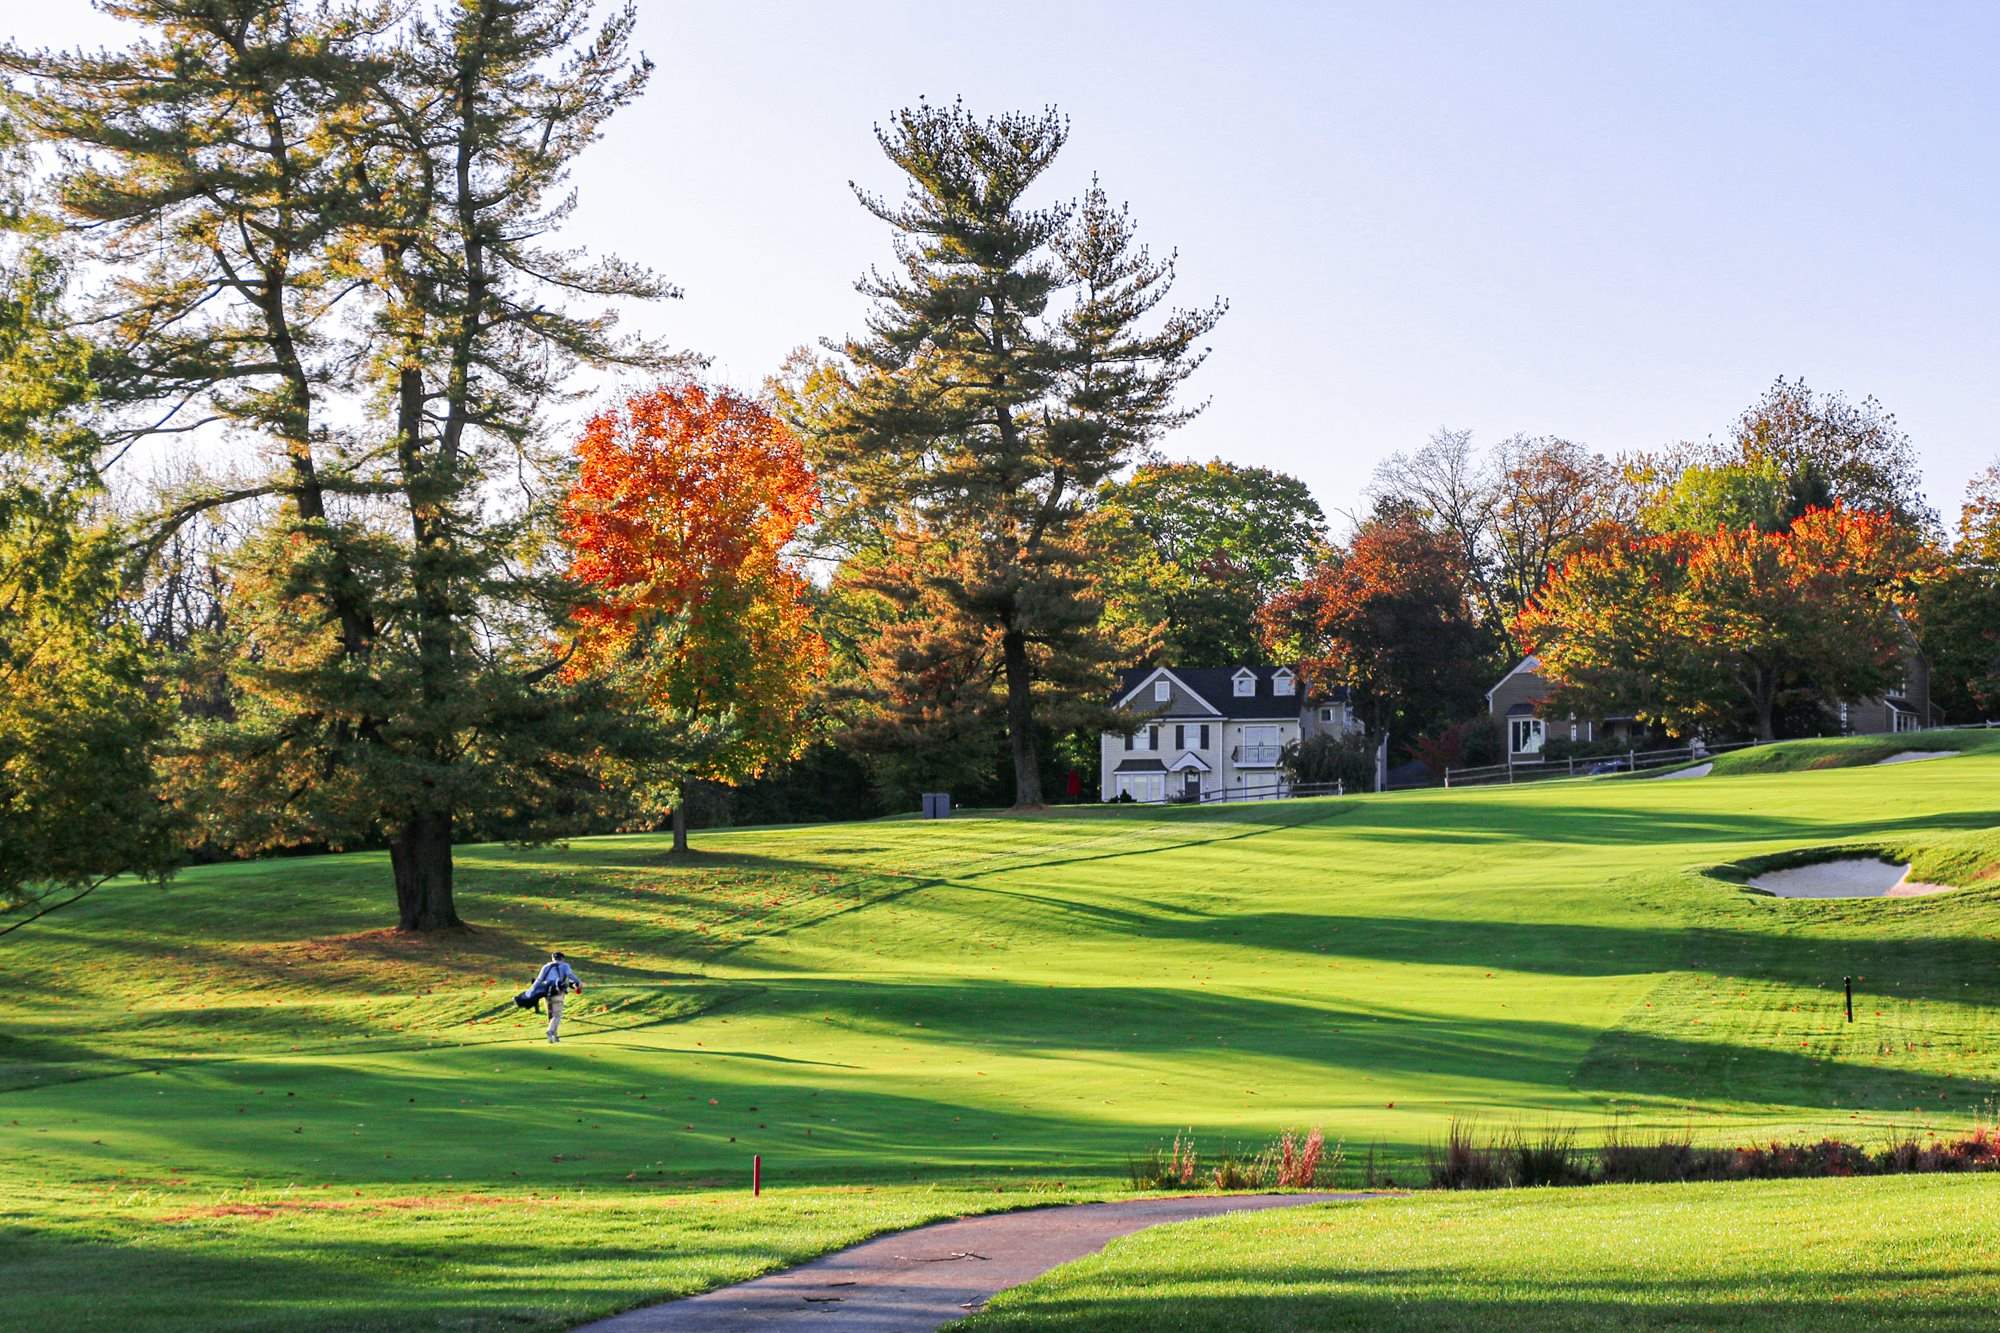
1849,983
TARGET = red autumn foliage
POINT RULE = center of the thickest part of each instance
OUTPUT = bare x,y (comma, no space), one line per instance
685,501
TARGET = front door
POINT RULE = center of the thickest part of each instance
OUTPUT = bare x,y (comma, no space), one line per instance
1191,784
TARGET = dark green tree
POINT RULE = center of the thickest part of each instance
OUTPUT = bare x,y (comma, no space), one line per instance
1011,365
79,795
1200,548
327,229
1960,610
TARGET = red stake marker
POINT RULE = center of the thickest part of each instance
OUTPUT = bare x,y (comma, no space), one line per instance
756,1175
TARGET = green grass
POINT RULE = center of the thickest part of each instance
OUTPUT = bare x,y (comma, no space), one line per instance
1907,1252
979,1012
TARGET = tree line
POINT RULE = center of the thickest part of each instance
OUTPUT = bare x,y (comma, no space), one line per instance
391,594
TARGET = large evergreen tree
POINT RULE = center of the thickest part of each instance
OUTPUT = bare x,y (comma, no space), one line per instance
325,232
1011,365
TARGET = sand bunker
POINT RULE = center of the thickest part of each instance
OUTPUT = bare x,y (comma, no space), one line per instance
1854,877
1911,756
1698,771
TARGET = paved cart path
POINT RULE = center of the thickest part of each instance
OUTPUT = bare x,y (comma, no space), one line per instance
919,1279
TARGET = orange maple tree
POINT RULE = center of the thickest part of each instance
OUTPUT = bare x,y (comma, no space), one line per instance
685,502
1694,630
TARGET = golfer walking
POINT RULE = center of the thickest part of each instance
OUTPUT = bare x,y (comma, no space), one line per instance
556,980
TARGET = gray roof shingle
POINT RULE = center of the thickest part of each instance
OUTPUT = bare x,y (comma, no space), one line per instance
1217,687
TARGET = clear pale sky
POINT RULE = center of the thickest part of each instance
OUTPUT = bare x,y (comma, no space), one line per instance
1612,221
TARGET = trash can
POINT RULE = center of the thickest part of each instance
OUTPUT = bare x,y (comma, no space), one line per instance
937,805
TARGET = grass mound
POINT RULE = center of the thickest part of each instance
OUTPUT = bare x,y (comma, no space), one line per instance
1811,756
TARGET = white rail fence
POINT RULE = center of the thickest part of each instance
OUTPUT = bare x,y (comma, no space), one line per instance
1630,761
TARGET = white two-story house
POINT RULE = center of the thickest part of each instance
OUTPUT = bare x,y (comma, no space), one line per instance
1212,731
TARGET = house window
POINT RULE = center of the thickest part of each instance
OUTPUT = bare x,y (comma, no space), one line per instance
1162,691
1281,684
1260,748
1245,686
1525,735
1143,786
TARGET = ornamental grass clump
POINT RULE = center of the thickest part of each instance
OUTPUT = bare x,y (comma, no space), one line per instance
1298,1158
1165,1168
1548,1158
1462,1162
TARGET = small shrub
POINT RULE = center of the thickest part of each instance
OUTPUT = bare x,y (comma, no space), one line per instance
1233,1171
1147,1170
1165,1168
1328,759
1625,1160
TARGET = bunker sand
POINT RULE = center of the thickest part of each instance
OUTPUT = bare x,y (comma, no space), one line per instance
1853,877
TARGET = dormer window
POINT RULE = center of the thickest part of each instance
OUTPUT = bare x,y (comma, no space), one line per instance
1162,692
1246,683
1281,683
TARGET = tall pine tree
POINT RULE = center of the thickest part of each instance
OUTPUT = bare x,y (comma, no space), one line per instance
1012,364
325,229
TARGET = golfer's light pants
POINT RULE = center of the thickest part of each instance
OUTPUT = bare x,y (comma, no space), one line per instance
555,1003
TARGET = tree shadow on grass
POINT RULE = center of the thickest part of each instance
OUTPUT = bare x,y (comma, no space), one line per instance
1622,1065
1462,820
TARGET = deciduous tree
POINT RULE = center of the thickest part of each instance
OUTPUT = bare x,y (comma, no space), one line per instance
1199,548
1699,631
684,504
1961,609
1388,617
80,800
1510,513
1829,451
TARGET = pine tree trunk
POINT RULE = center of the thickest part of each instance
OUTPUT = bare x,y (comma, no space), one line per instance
681,817
1020,722
421,858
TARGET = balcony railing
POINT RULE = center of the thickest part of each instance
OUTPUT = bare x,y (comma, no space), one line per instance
1257,756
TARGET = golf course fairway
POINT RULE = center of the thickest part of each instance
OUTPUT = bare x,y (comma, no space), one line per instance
237,1101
